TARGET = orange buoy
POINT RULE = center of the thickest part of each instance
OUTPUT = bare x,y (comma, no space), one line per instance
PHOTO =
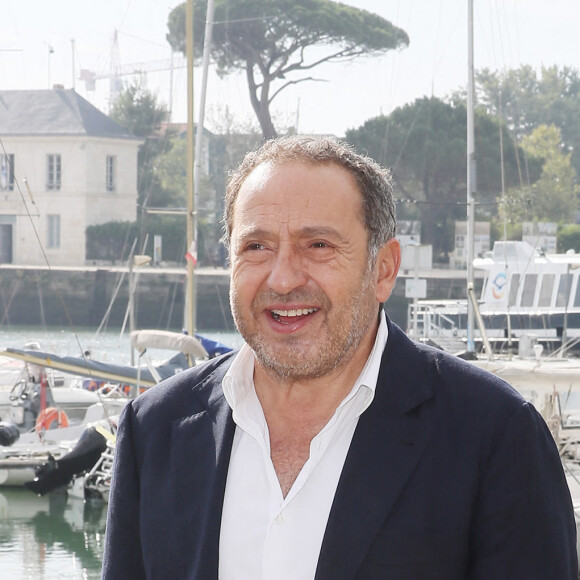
51,418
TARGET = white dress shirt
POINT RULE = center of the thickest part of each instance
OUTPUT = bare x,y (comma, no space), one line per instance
265,536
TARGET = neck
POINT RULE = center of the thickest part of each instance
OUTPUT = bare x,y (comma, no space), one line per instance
300,398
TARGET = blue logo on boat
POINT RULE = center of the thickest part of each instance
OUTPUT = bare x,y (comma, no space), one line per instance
499,283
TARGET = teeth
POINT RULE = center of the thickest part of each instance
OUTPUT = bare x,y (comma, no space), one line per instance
293,313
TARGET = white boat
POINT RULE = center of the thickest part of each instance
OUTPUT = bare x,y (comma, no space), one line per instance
540,381
20,461
43,459
525,294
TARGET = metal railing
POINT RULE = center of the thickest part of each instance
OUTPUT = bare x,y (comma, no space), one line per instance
426,321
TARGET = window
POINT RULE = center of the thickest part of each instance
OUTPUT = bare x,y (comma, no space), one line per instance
7,172
53,172
548,281
564,288
577,297
530,281
53,240
110,175
514,287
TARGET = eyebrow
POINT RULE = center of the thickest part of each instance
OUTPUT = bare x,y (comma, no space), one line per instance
321,231
250,232
305,232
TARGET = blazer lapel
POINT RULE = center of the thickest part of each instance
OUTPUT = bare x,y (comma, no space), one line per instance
388,442
201,448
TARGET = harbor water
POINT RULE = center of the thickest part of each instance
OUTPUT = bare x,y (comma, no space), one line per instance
50,537
60,536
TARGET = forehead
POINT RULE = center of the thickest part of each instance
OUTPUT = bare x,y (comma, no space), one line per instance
299,191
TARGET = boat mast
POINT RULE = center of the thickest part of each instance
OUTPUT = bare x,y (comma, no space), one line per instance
194,146
201,119
471,176
190,298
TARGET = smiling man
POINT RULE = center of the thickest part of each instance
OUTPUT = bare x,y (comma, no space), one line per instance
331,446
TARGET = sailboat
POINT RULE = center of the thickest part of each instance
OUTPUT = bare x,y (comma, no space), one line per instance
96,482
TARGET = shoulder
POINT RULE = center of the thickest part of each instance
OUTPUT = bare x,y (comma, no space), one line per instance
186,390
461,401
429,372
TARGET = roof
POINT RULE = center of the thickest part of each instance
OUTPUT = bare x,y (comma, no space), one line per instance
56,112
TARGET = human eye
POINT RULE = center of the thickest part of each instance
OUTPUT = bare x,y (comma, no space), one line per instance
319,250
254,251
254,247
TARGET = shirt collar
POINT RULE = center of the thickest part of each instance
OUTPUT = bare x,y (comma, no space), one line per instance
367,380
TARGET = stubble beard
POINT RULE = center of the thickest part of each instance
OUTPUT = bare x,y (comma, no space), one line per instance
294,358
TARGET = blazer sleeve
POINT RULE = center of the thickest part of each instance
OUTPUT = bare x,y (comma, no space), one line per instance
123,559
524,524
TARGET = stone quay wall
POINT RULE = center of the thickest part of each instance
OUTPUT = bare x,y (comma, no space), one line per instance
87,297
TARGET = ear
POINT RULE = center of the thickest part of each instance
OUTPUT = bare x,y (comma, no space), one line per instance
387,268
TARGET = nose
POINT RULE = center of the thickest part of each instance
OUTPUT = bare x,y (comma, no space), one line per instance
287,272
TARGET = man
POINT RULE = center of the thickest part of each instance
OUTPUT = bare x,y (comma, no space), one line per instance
331,446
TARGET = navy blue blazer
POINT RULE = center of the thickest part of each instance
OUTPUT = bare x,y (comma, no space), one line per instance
450,475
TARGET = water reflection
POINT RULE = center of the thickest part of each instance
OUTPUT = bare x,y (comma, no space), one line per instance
50,537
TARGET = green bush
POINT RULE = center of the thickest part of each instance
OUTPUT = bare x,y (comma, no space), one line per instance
569,238
113,241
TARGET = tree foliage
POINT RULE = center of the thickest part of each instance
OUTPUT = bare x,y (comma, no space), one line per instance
138,110
554,196
271,41
425,144
171,171
569,238
527,99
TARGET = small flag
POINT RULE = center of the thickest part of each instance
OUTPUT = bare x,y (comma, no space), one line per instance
191,254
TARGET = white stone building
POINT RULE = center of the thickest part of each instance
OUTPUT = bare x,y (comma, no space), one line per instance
64,165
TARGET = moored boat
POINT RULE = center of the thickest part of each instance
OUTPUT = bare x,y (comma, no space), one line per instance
525,293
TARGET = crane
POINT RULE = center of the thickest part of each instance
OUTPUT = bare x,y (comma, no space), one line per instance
116,71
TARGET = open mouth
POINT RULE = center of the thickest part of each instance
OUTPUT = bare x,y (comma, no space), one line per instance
286,315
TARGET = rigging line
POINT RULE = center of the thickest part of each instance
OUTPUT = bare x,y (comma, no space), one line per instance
391,90
40,300
10,300
501,35
514,139
412,126
114,296
17,185
491,26
29,215
141,38
124,17
436,48
217,291
132,286
524,181
176,286
515,28
454,27
384,148
496,32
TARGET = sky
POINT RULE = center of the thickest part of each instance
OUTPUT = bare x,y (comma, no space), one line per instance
42,43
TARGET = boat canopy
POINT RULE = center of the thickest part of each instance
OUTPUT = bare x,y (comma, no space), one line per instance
141,340
84,367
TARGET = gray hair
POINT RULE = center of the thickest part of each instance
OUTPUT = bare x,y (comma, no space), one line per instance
374,181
